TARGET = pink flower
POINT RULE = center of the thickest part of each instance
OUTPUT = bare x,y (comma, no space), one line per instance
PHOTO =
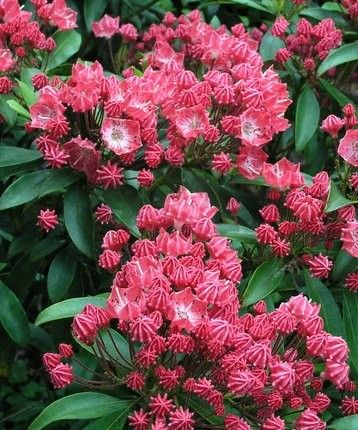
61,375
187,311
104,214
308,420
250,161
110,175
192,122
319,266
6,60
282,174
332,125
254,127
83,156
128,32
349,406
181,419
122,136
47,219
351,282
350,238
61,16
145,178
106,26
279,26
233,206
348,147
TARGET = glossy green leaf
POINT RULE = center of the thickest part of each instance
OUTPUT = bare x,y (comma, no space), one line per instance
93,11
61,273
13,156
27,93
248,3
80,406
19,109
237,232
350,318
13,317
114,421
336,199
68,308
264,281
119,352
78,219
67,44
6,111
35,185
330,313
269,46
345,423
125,204
340,98
307,117
346,53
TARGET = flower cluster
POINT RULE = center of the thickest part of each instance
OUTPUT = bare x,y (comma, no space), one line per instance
203,88
23,38
295,224
175,302
107,27
309,44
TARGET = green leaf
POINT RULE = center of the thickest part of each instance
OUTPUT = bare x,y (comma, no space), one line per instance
265,280
93,11
345,423
111,422
237,232
330,313
27,93
269,46
80,406
249,3
125,204
78,219
68,308
13,317
121,343
344,54
350,318
340,98
336,199
343,264
13,156
307,117
61,273
35,185
19,109
8,113
67,44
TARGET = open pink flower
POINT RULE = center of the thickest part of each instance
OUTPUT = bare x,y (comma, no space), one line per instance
122,136
6,60
250,161
192,122
350,238
283,174
106,26
348,147
254,127
62,16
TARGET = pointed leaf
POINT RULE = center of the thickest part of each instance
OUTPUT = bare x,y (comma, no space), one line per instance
330,313
237,232
13,317
13,156
19,109
78,219
125,204
336,199
269,46
265,280
61,273
307,117
80,406
344,54
350,318
67,44
68,308
345,423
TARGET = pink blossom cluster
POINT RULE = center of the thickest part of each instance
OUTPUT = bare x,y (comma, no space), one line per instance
309,44
352,8
203,88
175,302
295,223
108,26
